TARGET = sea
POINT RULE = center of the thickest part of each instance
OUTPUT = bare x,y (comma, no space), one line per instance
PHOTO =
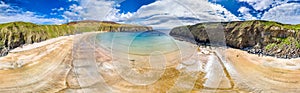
138,43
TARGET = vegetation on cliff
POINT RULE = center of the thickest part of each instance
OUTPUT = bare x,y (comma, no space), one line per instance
16,34
260,37
90,25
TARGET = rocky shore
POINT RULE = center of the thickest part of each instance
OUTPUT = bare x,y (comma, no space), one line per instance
258,37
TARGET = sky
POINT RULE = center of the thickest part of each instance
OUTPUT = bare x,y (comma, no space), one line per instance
156,13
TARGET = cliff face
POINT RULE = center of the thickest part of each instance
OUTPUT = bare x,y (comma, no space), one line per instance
16,34
260,37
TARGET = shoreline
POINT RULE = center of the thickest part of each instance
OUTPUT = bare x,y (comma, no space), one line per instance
270,61
250,51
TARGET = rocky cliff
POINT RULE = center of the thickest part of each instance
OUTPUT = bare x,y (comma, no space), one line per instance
16,34
259,37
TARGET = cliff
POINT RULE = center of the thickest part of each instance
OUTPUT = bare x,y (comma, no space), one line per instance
259,37
90,25
16,34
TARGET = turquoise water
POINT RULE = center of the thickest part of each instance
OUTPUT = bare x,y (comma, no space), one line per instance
137,43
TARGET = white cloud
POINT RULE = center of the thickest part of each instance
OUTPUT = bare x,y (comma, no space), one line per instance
58,9
10,14
275,10
160,14
263,4
73,13
244,10
76,8
245,15
53,13
96,10
73,0
223,13
285,13
171,13
3,5
99,9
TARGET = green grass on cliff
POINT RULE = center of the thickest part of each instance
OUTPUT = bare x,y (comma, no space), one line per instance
298,45
100,26
17,33
286,26
284,41
270,46
271,23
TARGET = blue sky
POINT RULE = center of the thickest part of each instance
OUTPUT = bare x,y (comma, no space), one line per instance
42,7
153,11
48,7
133,5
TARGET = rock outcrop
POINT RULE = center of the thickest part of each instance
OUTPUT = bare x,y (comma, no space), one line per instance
16,34
259,37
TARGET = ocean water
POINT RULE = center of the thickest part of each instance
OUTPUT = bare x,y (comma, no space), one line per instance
137,43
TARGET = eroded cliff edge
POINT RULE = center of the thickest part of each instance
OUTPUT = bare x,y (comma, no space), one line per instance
259,37
16,34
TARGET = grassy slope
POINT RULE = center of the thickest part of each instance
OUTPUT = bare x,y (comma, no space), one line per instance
15,34
85,26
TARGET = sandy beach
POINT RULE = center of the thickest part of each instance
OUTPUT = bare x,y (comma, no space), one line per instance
78,64
263,74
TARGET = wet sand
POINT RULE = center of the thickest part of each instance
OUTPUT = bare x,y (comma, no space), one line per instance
264,74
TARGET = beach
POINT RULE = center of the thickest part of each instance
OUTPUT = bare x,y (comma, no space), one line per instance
79,63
